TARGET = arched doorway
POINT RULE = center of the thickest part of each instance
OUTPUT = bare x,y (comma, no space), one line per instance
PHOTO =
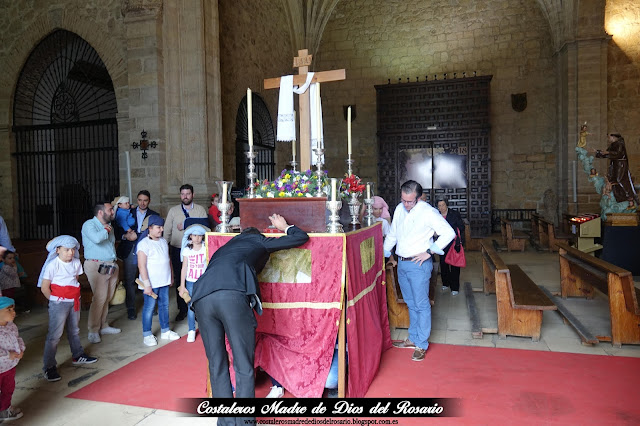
64,122
264,141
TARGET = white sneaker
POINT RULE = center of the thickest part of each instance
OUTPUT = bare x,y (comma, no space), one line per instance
454,293
150,340
94,338
191,336
110,330
445,288
170,335
275,392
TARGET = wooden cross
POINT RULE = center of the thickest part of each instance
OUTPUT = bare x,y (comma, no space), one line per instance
302,62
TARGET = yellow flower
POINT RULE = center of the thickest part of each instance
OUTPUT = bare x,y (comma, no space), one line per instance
287,176
300,194
281,194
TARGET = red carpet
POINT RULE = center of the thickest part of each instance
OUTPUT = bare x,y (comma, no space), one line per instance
497,386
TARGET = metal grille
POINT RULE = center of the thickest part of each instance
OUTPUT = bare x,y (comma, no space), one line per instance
438,117
66,137
264,140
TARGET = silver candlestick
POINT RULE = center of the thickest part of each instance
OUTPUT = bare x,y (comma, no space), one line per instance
354,208
319,172
293,163
334,226
369,219
350,162
251,155
223,226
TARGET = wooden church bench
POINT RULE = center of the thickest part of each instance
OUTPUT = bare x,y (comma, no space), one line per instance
514,239
471,243
581,273
553,236
520,301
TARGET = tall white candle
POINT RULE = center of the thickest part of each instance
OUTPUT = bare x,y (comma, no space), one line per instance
349,129
224,192
368,190
293,142
334,189
319,118
250,119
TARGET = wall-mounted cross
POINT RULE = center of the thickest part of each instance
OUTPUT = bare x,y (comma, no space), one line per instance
144,144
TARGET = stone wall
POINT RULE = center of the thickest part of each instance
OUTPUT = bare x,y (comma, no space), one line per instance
25,23
376,40
622,21
254,45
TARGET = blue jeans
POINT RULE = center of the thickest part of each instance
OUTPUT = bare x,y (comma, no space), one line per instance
61,313
163,310
191,316
414,284
332,378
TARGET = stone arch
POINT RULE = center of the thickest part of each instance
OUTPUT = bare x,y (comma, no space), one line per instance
108,51
112,54
264,139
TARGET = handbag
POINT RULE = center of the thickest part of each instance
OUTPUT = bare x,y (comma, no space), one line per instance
118,295
455,257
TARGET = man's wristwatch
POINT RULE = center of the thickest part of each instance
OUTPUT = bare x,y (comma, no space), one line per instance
429,252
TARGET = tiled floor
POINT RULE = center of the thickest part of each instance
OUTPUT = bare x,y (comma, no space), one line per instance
44,403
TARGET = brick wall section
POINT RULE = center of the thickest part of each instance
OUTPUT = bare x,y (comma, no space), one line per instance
254,45
377,40
622,20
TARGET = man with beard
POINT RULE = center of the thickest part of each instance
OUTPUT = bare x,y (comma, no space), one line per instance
126,250
173,231
101,268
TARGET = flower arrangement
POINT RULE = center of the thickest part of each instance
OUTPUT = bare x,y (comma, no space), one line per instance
351,184
290,184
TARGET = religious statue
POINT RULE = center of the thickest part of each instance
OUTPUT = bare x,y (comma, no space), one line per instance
618,171
582,142
607,185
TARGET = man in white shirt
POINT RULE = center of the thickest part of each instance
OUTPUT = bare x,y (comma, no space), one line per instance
414,225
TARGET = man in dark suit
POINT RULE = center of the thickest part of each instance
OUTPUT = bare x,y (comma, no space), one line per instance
126,249
224,298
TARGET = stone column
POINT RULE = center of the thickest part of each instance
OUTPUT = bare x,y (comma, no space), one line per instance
192,76
145,66
582,85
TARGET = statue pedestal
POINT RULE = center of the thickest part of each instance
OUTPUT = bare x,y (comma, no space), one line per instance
307,214
622,219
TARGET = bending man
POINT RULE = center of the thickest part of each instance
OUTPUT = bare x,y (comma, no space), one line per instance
224,299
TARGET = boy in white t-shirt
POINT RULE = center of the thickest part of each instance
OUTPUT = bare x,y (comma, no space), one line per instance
155,273
194,261
59,284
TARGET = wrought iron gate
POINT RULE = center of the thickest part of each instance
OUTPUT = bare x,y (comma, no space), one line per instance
263,142
66,137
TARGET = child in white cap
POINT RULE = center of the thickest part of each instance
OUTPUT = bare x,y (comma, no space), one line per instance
194,261
155,278
59,284
11,350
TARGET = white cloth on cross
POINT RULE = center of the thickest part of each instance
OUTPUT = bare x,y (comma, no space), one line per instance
316,116
286,130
